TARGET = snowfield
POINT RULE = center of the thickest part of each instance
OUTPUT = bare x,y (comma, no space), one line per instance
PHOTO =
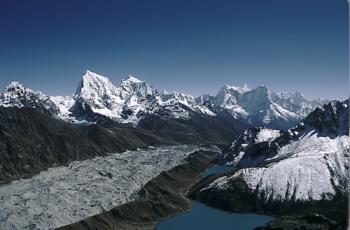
267,135
64,195
312,168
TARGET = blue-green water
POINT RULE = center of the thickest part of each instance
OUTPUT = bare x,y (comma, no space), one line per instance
205,218
216,170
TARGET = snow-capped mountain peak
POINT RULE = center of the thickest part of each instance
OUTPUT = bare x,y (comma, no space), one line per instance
96,93
64,104
259,95
132,85
129,103
228,98
94,85
96,98
297,102
15,86
240,90
16,95
132,79
260,106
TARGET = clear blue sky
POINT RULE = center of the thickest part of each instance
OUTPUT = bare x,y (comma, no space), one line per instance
191,46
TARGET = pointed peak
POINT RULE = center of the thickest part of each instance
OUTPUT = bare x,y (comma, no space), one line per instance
165,92
90,75
262,87
298,94
132,79
92,82
15,85
241,90
88,71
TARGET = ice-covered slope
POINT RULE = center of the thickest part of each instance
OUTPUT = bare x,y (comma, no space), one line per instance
178,105
309,162
97,94
297,102
312,168
64,104
263,111
228,97
97,99
260,106
135,102
16,95
130,102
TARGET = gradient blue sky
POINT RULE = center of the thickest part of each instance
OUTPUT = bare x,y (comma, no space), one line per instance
191,46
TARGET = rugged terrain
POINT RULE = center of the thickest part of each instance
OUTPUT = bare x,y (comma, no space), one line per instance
302,171
65,195
289,153
38,131
32,141
137,103
162,197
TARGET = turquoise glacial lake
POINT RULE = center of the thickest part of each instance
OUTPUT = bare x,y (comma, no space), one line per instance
204,217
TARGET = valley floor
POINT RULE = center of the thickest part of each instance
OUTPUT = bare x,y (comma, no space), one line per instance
64,195
162,197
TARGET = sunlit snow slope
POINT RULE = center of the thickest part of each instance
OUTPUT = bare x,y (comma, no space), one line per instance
308,162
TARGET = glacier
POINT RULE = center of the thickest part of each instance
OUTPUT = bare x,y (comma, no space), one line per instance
64,195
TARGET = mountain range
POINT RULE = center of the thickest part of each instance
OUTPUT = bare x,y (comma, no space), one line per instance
288,153
134,102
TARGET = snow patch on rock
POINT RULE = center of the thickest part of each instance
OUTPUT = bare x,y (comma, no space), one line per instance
267,135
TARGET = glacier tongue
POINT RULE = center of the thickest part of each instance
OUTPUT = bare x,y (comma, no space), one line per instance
64,195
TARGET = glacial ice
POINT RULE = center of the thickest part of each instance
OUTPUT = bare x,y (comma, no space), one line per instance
64,195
